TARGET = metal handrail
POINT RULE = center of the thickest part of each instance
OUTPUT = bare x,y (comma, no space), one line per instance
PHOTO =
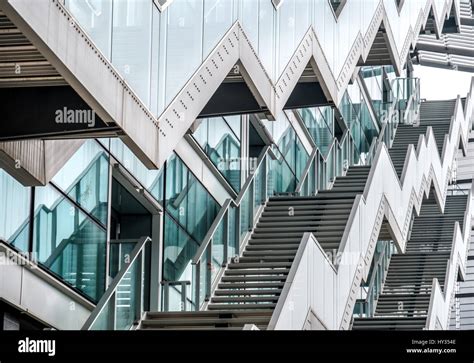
394,108
377,263
306,170
205,249
136,252
249,181
371,283
212,230
225,207
335,143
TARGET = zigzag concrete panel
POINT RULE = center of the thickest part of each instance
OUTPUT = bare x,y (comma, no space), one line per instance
146,135
385,195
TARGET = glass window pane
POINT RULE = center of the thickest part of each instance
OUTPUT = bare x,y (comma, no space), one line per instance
187,200
67,242
95,17
183,44
14,209
85,179
222,145
217,21
131,44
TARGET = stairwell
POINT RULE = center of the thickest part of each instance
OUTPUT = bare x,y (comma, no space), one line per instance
250,288
405,299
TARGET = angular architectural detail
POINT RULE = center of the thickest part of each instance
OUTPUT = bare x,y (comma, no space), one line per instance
452,51
255,165
185,106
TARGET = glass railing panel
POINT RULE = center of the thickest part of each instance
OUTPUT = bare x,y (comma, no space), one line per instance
321,173
217,247
245,211
302,158
69,243
313,183
204,270
187,200
259,188
175,296
330,170
319,123
128,295
120,251
15,211
106,319
282,178
233,240
179,249
367,122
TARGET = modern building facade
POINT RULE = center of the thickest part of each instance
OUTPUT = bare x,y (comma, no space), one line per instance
244,164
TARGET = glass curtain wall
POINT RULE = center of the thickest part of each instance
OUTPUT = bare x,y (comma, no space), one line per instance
319,121
373,77
68,219
355,112
15,210
169,46
290,156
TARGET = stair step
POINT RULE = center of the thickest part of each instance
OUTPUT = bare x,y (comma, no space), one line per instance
251,285
227,292
245,299
241,306
237,272
258,265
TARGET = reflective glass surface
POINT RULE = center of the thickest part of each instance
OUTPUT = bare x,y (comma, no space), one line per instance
219,137
68,242
85,179
15,210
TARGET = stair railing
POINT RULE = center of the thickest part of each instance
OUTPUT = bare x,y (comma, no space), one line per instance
366,306
403,109
114,313
335,163
229,231
442,297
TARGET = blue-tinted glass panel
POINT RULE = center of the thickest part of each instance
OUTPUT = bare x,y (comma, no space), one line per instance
67,242
85,179
187,200
320,124
14,209
179,249
282,178
152,180
219,141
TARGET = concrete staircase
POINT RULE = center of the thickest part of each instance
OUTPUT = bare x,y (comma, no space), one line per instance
253,283
405,299
250,287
